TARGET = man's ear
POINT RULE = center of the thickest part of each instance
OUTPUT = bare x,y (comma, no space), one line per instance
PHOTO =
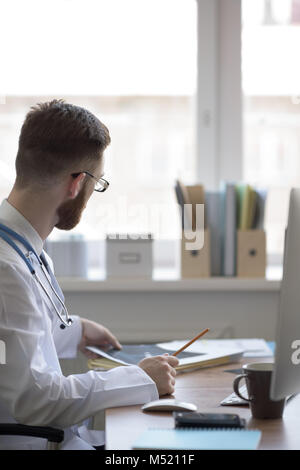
75,185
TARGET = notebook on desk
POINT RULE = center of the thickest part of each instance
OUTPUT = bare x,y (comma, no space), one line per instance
198,439
188,360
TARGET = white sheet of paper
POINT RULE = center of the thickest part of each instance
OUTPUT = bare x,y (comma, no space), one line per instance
252,347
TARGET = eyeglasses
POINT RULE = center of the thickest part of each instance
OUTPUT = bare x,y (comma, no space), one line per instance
101,184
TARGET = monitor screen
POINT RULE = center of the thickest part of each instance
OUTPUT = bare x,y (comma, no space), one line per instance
286,375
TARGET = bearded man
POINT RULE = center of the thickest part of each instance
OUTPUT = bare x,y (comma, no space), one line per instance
59,164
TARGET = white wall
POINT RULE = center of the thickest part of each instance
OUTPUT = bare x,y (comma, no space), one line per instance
156,315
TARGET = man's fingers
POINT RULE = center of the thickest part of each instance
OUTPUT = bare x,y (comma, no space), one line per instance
116,344
173,361
172,372
172,381
113,341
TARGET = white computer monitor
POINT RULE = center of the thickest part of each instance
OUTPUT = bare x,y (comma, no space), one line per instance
286,374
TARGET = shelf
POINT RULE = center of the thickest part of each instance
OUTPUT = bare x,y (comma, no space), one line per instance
166,281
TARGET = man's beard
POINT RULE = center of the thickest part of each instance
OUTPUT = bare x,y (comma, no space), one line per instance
70,212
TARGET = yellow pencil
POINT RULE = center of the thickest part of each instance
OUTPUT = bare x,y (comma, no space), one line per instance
190,342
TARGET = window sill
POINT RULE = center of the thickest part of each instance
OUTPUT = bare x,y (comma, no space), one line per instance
169,281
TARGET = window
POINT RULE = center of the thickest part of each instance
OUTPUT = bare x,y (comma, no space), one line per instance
134,64
131,62
271,78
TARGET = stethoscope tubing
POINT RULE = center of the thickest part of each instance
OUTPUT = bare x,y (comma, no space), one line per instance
67,321
5,234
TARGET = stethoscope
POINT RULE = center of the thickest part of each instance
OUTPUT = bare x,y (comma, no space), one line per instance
7,234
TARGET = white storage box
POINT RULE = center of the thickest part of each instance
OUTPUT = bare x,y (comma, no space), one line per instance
70,257
129,256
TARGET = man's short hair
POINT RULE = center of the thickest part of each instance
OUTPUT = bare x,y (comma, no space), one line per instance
57,137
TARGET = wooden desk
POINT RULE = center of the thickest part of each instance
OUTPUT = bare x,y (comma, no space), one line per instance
206,388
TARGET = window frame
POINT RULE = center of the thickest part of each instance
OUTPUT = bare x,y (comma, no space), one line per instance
219,124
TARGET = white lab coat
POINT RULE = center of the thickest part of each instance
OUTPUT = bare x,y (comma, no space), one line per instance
33,389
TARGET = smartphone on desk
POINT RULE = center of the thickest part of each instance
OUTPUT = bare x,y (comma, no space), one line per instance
185,419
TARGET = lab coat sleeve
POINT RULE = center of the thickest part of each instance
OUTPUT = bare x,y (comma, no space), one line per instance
32,386
66,340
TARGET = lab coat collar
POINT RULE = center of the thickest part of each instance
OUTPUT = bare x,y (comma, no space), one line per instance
11,217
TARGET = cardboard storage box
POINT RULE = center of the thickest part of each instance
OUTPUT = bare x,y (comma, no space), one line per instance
195,263
251,253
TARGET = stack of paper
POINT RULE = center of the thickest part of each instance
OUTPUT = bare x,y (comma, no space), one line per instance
203,356
251,347
131,354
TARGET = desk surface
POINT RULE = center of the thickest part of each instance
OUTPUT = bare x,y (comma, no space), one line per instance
206,388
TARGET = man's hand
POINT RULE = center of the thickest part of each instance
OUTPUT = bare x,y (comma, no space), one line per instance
162,372
94,334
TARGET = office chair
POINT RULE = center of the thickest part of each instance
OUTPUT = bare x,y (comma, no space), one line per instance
54,436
